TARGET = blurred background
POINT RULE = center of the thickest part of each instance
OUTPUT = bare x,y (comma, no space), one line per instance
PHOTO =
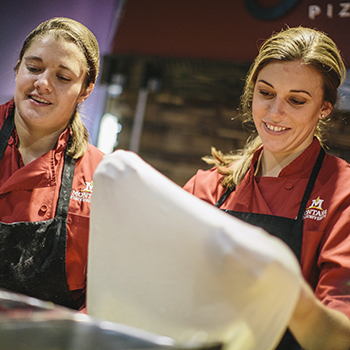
173,70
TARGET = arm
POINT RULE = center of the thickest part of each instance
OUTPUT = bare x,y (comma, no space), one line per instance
315,326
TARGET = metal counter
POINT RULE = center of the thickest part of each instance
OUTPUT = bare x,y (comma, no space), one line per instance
30,324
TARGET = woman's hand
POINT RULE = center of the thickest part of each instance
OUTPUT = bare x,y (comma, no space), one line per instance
318,327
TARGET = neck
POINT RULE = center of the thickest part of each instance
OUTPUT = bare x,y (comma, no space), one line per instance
271,165
33,143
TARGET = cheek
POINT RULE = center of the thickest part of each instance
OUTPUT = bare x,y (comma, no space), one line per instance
18,88
68,93
308,119
257,108
21,80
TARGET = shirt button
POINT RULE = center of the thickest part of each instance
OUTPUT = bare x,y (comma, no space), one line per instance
43,209
288,186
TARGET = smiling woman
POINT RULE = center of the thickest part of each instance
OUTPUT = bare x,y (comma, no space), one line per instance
284,182
287,104
45,156
49,84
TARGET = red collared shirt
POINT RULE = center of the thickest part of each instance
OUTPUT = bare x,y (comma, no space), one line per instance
325,256
30,193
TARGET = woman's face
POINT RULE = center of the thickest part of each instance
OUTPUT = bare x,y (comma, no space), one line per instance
287,104
49,84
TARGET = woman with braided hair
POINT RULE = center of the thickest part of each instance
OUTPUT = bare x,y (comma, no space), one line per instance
47,165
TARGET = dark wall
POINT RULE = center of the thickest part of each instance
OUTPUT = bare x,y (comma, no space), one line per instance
223,29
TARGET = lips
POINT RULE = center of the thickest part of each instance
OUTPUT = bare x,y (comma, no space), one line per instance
39,100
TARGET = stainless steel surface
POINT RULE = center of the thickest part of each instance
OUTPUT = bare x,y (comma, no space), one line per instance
30,324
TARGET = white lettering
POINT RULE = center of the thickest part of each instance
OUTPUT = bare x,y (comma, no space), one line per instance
315,214
344,12
330,11
314,11
81,196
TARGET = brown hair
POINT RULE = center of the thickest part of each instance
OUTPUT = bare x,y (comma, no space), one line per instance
75,32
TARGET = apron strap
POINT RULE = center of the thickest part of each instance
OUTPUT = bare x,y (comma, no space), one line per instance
310,184
66,186
223,198
6,132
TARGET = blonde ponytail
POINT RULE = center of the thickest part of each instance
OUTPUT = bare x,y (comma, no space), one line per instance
79,137
234,165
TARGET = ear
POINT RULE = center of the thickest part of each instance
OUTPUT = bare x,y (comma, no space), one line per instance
325,110
85,92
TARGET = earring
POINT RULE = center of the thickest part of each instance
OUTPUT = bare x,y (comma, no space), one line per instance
322,116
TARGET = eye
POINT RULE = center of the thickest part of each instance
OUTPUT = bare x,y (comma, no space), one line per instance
65,79
33,69
265,93
297,102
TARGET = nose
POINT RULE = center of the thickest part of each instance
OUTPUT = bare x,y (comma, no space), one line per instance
43,83
277,109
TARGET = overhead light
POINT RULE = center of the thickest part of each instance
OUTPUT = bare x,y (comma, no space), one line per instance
108,134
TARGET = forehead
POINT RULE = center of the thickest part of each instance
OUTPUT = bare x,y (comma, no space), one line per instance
56,50
291,72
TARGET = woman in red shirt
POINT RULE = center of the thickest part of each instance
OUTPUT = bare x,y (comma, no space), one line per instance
284,182
47,165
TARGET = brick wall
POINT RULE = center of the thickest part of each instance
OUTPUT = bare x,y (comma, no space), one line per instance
192,112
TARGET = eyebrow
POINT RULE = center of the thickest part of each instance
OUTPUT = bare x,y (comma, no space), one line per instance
38,59
265,82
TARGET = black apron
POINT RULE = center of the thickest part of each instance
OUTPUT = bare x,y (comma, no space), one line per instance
33,254
288,230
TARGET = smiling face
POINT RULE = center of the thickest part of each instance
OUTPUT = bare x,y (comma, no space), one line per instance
50,82
287,104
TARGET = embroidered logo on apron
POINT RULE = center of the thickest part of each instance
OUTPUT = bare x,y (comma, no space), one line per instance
315,210
85,194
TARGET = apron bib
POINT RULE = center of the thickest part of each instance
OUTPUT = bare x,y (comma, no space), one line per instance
288,230
32,254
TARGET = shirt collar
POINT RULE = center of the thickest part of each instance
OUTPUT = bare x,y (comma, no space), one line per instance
301,164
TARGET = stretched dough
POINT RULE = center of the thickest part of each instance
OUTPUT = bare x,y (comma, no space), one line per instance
166,262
